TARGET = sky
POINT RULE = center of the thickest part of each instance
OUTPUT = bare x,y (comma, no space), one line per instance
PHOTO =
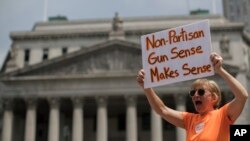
21,15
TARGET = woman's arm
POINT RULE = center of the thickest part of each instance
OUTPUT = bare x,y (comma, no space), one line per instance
240,93
172,116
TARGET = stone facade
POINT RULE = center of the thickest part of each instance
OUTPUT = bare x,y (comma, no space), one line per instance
75,80
237,11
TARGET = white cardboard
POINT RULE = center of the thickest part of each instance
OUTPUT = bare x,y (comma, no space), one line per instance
175,52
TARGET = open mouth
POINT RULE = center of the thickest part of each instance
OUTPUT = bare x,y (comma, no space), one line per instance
197,103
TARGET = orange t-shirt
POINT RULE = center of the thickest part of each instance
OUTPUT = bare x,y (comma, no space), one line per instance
213,126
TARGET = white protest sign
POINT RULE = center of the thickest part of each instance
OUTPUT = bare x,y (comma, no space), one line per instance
177,54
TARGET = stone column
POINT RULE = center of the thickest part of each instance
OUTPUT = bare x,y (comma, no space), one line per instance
77,129
180,100
30,127
102,119
7,121
54,120
131,119
156,127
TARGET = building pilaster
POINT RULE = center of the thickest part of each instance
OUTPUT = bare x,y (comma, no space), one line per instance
156,127
54,120
30,124
77,129
7,120
102,119
180,100
131,119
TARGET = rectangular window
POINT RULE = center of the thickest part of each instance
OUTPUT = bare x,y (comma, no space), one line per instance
45,53
64,50
26,56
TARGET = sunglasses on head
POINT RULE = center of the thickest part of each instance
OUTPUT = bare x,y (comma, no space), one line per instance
201,92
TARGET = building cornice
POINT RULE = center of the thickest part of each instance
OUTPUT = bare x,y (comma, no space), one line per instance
56,34
102,27
105,34
71,77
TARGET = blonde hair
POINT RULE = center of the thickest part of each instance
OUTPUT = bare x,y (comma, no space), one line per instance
212,86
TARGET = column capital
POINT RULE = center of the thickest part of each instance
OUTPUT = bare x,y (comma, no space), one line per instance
54,102
130,99
101,100
31,102
77,101
180,98
8,103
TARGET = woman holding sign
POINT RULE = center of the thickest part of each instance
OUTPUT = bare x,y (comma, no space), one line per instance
211,122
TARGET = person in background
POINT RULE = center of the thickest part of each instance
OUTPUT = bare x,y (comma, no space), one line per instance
210,123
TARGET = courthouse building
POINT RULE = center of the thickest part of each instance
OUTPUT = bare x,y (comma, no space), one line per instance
76,80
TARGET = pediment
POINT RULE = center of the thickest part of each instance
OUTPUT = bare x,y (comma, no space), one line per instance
113,56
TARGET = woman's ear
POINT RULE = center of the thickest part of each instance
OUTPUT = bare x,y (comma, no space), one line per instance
215,98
